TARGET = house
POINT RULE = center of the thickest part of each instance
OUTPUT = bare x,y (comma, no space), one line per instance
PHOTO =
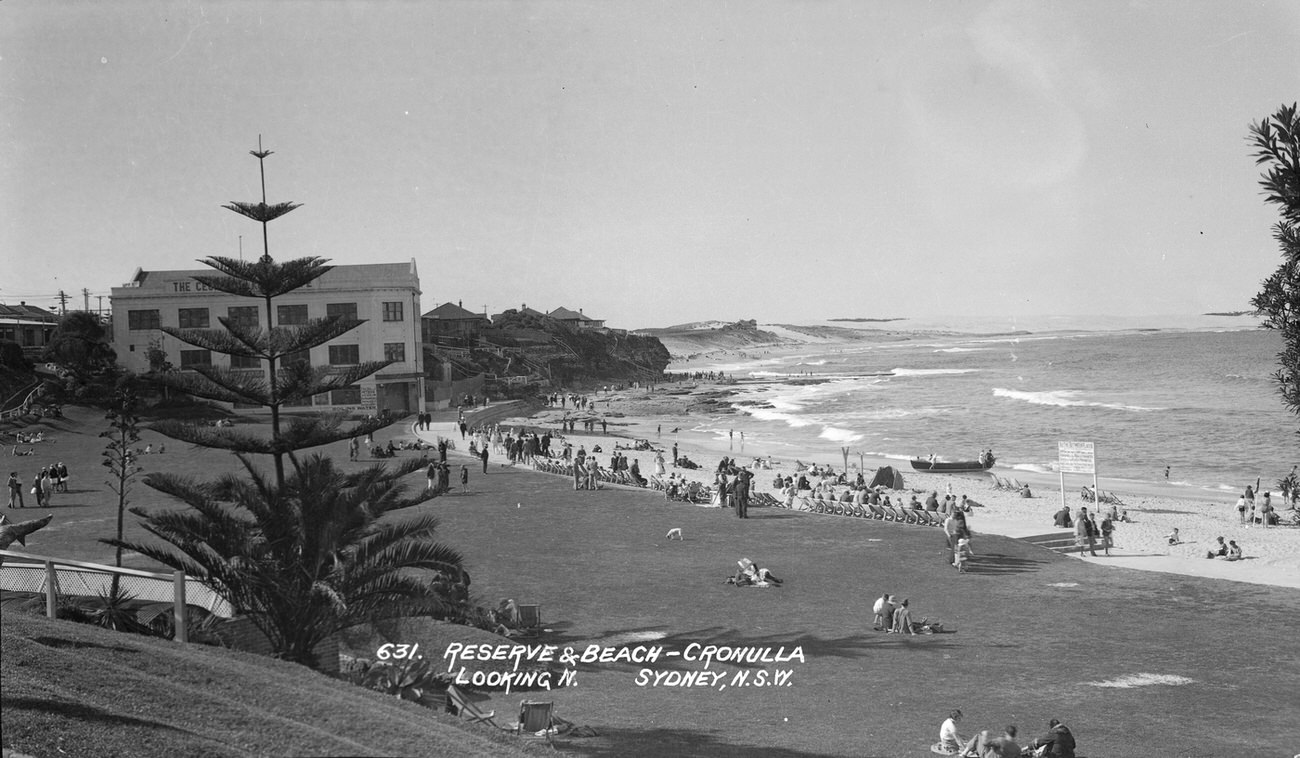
576,319
29,326
450,321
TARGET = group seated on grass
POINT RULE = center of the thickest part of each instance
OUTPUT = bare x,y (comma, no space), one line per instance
1057,742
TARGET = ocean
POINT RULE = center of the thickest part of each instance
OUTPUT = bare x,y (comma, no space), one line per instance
1199,401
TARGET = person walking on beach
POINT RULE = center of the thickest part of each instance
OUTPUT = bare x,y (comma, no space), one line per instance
674,454
1107,528
1241,508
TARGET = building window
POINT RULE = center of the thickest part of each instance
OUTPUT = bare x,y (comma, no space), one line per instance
140,320
243,316
395,351
245,362
291,359
345,355
193,318
393,311
346,396
346,310
192,358
291,315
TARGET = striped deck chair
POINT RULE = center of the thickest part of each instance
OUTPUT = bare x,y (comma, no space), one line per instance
536,719
459,704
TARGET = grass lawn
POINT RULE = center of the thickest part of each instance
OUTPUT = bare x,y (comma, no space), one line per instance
1035,635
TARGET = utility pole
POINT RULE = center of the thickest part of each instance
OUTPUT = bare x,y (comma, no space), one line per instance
85,296
63,303
100,310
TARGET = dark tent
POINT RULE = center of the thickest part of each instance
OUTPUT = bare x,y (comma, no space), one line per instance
888,476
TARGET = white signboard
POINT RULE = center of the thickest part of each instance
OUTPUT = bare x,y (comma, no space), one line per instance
1076,457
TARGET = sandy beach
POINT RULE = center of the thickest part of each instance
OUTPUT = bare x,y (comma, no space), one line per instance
1271,555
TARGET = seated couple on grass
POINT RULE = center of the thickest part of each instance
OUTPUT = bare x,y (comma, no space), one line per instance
982,745
750,575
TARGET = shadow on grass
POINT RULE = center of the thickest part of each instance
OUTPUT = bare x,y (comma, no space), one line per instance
60,644
82,713
656,742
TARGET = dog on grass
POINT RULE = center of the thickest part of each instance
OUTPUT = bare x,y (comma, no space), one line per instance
674,532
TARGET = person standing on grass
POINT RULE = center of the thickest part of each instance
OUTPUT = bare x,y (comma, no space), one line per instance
430,477
482,454
47,486
15,490
464,478
884,610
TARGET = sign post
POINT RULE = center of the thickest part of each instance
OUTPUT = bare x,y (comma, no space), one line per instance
1076,458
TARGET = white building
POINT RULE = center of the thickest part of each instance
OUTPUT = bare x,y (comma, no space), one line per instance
385,295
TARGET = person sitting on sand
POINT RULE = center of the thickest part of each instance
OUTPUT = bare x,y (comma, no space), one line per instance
950,742
1234,552
1220,549
1174,538
1024,491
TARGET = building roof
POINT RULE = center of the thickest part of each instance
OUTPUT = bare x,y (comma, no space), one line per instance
453,312
340,276
25,311
564,314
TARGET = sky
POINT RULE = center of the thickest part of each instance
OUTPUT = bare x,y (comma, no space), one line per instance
655,163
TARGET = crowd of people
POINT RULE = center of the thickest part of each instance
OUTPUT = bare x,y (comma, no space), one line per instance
47,481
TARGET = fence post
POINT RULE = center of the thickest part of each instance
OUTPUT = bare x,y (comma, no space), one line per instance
178,587
51,591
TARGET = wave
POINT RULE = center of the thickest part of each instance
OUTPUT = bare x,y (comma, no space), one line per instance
1066,399
836,434
931,371
960,349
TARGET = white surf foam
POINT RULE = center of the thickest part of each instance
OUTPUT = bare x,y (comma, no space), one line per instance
931,371
1065,399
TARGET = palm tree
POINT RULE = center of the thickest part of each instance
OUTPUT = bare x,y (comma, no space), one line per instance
308,559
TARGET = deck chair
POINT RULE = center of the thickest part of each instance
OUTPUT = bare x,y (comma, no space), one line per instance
459,703
530,618
537,719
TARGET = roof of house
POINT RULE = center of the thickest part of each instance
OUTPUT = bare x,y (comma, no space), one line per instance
564,314
453,312
23,310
